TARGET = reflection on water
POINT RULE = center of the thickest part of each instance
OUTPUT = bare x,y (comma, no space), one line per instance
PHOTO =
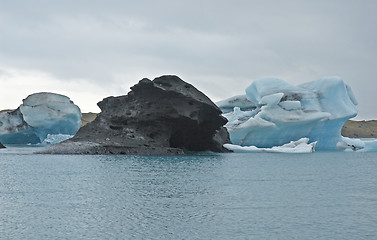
221,196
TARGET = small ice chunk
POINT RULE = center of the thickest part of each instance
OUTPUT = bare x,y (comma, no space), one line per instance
55,138
290,105
370,145
271,100
267,86
356,144
239,101
300,146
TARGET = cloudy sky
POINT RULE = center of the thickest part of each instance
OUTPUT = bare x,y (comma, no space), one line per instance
92,49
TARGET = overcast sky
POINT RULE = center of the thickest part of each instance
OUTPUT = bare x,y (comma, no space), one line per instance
92,49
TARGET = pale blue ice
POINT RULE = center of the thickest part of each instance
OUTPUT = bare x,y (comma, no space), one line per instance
274,112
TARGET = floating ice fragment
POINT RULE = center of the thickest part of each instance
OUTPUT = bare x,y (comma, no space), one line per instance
300,146
55,138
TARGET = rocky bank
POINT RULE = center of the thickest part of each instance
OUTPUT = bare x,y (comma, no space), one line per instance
165,116
360,129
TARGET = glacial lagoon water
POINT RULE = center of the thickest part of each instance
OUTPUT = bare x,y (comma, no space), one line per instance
323,195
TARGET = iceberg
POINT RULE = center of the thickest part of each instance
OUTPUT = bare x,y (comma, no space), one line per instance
240,101
370,145
274,112
52,139
356,144
300,146
40,117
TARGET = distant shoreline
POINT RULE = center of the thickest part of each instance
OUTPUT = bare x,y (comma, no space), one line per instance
360,129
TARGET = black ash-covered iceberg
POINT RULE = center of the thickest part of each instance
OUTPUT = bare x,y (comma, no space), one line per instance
161,117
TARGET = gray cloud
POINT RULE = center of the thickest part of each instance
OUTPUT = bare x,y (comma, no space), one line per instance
219,46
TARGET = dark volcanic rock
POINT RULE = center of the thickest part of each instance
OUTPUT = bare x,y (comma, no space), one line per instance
1,145
160,117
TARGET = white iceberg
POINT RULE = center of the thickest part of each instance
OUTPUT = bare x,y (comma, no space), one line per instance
300,146
240,101
55,138
356,144
41,116
279,112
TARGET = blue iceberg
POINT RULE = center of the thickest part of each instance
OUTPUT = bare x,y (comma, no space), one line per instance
274,112
41,116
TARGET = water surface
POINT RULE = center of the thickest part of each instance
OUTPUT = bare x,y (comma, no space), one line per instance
324,195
